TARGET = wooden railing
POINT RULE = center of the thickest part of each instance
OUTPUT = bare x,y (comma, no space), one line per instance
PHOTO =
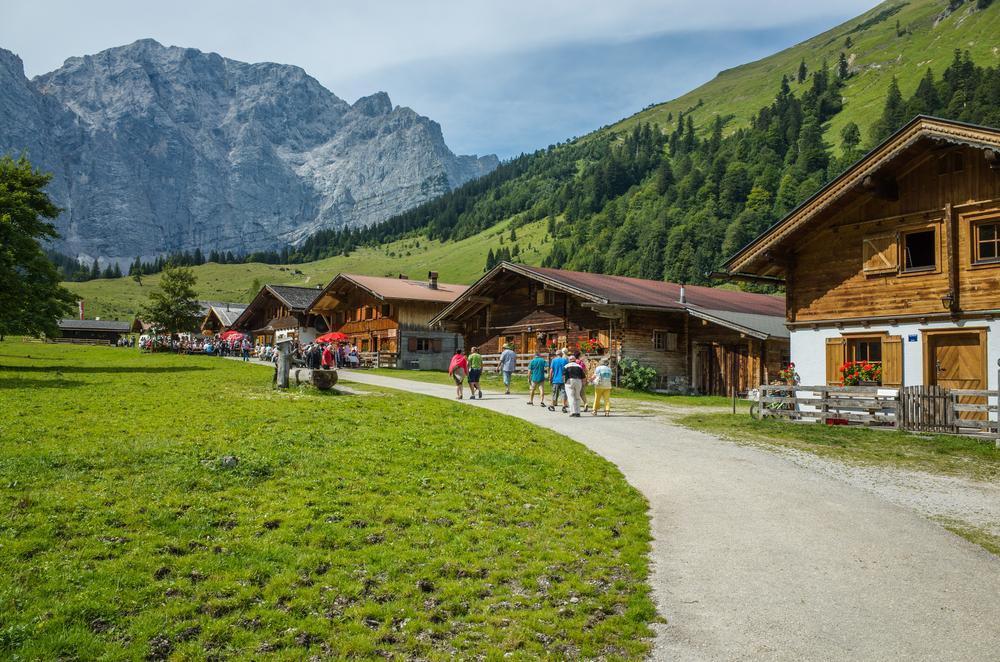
833,404
914,408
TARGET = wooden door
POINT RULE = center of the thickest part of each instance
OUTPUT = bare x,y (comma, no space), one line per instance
956,362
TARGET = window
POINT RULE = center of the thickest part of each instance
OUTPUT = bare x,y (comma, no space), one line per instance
386,310
423,344
987,242
665,341
545,298
920,250
868,350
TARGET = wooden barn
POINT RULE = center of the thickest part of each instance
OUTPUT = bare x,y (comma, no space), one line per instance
91,332
279,308
895,262
388,318
220,317
699,339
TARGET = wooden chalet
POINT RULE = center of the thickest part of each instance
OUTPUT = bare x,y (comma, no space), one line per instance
390,317
91,332
279,308
699,339
896,262
221,316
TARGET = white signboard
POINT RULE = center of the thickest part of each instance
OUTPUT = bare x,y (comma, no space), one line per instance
391,333
284,335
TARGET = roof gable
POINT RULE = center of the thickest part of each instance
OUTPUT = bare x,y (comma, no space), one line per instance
917,131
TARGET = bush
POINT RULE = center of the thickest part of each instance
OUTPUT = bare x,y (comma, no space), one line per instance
636,377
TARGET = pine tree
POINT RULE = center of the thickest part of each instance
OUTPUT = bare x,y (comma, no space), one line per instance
842,69
117,273
850,139
173,306
95,270
893,114
803,72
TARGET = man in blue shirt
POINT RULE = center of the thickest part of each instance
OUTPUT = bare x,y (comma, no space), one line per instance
558,380
536,371
508,364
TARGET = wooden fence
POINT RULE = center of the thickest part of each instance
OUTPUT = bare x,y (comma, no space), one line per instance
914,408
378,359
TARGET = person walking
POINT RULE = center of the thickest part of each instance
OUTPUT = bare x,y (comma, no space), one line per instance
475,360
327,361
602,386
536,371
558,379
457,369
507,366
245,347
574,374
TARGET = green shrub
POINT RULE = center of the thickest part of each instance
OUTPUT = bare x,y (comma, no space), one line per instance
635,376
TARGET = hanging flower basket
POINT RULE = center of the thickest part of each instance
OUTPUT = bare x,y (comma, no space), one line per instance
861,373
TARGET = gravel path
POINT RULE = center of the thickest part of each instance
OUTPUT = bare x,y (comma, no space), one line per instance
758,557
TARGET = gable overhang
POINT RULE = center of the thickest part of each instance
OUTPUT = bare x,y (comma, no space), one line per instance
729,324
765,248
473,299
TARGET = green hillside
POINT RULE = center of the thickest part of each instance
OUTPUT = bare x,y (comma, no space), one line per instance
458,262
928,32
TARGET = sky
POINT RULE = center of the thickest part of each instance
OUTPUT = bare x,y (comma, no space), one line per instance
500,77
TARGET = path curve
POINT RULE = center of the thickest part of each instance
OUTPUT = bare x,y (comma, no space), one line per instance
755,557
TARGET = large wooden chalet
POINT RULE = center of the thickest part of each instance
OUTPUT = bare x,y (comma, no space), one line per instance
281,308
220,317
390,316
896,261
699,339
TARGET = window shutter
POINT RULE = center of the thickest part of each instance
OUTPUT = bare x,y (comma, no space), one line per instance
892,361
436,345
411,344
540,297
834,359
881,254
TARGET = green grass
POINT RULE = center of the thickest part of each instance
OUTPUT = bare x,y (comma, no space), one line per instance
941,454
492,381
878,54
350,525
460,262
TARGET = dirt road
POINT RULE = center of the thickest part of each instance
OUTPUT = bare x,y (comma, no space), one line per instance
756,557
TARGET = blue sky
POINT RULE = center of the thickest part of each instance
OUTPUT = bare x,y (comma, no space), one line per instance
500,77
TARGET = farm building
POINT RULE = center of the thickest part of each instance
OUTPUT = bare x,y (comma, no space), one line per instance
389,318
281,308
896,262
220,317
92,331
699,339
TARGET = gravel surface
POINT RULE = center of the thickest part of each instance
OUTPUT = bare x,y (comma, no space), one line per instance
759,555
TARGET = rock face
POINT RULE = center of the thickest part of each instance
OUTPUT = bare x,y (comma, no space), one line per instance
158,149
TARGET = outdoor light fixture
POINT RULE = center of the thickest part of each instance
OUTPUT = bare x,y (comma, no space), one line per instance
947,300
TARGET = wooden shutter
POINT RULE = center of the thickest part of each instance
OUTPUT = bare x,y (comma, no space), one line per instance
881,254
835,355
411,344
892,361
436,345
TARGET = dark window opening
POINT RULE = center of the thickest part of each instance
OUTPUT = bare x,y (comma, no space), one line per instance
869,351
921,250
988,242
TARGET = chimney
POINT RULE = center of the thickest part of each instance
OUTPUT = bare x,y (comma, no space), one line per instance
682,299
432,280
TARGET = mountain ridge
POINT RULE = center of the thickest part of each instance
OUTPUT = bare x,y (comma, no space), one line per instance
158,149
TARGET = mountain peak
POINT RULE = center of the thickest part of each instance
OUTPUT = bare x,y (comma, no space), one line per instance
374,105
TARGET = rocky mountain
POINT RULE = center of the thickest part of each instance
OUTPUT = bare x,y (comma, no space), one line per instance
158,149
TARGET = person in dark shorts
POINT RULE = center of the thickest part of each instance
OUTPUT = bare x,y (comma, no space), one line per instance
475,360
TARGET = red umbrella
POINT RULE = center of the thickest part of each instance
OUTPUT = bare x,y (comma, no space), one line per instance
333,336
231,333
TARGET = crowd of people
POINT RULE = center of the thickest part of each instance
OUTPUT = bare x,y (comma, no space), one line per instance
189,344
567,373
326,356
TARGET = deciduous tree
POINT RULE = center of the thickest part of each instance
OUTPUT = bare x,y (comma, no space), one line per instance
173,305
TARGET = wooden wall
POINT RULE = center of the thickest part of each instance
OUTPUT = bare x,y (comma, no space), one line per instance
826,279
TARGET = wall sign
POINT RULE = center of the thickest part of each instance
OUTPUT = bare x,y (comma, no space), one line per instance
911,338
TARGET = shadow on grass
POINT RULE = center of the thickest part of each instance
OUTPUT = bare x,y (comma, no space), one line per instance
9,383
88,369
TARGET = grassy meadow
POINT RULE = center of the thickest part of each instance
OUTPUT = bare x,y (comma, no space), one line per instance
459,262
163,506
927,38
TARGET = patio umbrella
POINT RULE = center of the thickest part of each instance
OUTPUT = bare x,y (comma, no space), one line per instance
226,335
333,336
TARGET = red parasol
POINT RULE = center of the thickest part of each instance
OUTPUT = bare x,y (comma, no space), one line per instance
226,335
333,336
